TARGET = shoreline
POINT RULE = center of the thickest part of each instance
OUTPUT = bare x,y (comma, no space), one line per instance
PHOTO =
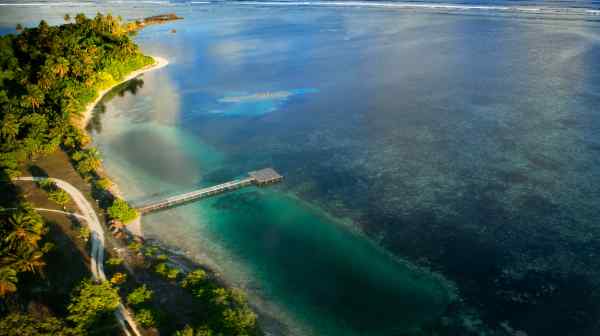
182,258
159,62
135,227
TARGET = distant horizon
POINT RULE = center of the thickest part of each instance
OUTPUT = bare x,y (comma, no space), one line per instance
447,4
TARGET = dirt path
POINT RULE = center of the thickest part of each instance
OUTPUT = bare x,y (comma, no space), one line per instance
97,243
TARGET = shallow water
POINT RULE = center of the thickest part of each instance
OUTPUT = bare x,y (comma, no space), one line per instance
464,141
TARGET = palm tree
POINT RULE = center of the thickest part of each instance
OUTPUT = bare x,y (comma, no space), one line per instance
45,83
61,67
10,127
34,97
8,281
26,260
80,18
25,229
89,160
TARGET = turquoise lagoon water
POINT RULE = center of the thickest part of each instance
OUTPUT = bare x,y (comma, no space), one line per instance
316,273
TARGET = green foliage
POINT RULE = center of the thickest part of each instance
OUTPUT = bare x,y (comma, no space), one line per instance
114,261
103,183
8,280
229,313
17,324
55,194
162,257
139,295
121,211
238,321
118,278
46,184
91,303
162,269
220,296
59,197
88,160
173,273
200,331
22,230
145,317
150,251
47,77
85,233
194,279
134,246
167,272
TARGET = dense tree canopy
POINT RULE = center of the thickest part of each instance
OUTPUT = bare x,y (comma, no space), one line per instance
92,303
18,324
21,230
47,77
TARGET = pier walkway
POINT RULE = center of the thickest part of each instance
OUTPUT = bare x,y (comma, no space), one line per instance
260,178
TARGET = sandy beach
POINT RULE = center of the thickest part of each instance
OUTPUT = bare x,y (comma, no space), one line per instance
136,226
159,62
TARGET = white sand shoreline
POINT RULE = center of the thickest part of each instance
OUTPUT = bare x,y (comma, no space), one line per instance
159,62
134,227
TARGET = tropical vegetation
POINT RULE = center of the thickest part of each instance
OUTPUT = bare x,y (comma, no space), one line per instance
121,211
21,248
48,75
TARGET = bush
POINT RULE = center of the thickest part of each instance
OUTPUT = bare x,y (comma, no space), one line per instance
150,251
91,302
46,184
194,279
84,233
134,246
145,318
200,331
220,296
87,160
118,278
173,273
114,261
59,197
103,183
164,270
140,295
17,324
239,320
121,211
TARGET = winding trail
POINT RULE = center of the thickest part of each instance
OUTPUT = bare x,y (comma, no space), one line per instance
97,242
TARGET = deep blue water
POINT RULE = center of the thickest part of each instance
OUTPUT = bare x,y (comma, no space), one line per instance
465,142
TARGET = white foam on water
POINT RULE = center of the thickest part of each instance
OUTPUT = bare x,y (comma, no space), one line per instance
434,6
140,2
76,4
48,4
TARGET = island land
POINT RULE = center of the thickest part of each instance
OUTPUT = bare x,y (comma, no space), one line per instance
68,264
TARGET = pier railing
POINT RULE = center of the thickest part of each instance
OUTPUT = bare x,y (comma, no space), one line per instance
259,178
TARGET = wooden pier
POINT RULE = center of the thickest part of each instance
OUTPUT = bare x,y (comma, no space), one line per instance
259,178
